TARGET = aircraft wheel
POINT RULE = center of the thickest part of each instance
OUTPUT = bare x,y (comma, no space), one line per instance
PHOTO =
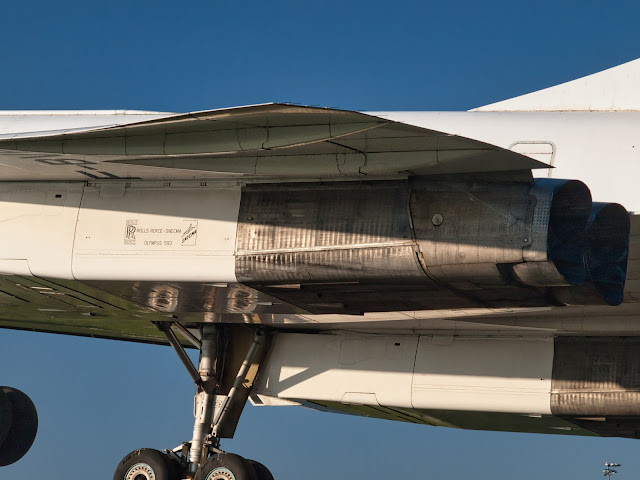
176,469
22,427
226,466
262,472
145,464
5,416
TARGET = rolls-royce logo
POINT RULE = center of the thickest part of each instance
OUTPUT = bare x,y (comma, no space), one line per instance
165,235
130,232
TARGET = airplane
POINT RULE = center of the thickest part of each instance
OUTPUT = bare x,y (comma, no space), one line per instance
471,269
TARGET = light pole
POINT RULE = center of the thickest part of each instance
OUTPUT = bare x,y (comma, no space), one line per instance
608,470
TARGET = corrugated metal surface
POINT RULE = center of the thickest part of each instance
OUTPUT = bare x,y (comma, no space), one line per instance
596,376
326,233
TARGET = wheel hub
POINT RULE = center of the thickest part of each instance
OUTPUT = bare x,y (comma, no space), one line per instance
140,471
221,473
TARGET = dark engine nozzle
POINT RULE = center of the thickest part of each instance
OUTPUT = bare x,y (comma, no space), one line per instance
18,425
606,258
566,239
556,254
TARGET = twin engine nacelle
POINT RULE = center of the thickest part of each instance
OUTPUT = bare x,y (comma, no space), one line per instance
486,240
546,234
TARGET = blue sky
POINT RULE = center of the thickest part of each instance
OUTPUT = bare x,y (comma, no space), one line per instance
100,399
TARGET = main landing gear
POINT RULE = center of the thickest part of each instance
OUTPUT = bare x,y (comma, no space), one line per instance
220,398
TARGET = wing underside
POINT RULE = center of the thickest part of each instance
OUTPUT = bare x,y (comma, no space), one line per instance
264,141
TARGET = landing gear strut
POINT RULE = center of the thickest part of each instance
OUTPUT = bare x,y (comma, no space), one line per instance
218,403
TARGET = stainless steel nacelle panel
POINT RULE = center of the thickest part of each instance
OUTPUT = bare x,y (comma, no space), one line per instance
335,232
544,234
490,233
466,229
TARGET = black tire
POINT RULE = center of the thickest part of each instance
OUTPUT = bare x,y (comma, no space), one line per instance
23,428
176,469
262,472
6,416
226,466
145,463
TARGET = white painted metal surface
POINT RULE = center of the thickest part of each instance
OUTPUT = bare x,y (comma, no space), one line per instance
15,124
444,372
612,90
357,369
157,232
38,222
600,148
119,232
483,374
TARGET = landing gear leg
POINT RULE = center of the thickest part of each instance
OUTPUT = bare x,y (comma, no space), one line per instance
218,404
205,400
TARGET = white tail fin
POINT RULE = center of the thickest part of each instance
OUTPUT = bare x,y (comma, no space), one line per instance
615,89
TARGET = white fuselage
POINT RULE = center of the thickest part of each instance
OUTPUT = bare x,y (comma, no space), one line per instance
600,148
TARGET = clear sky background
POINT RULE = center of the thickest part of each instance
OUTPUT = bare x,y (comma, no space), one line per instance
100,399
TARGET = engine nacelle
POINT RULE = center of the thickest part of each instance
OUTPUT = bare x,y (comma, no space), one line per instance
434,242
493,242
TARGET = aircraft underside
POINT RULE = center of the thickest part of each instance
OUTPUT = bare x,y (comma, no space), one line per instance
520,302
336,260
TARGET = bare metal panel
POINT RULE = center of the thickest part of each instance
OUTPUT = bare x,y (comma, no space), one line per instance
596,377
332,233
465,229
